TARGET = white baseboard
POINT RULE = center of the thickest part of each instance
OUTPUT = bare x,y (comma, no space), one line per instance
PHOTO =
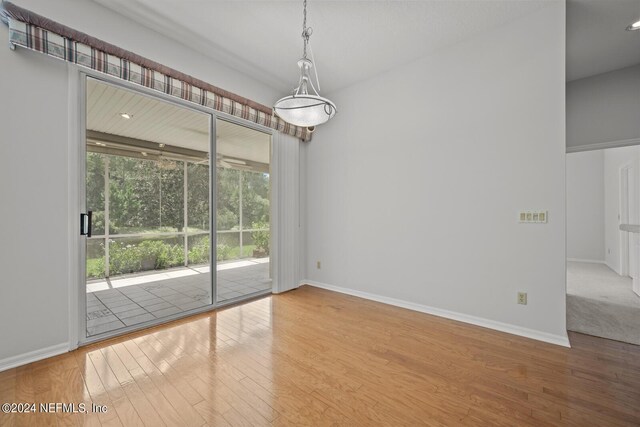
591,261
33,356
562,340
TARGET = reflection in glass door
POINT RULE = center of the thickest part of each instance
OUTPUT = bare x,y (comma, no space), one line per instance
243,204
148,191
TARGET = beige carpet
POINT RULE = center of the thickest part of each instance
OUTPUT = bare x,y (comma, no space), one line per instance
601,303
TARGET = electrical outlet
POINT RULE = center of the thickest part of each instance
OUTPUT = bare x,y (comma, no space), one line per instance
318,265
522,298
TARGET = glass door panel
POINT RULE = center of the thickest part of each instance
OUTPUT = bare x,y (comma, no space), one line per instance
148,188
243,204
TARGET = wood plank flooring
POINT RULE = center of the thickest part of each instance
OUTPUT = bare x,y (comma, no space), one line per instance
314,357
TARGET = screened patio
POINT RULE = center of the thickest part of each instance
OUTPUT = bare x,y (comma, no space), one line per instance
130,299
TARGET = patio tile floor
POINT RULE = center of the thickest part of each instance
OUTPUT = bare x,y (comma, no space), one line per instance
128,300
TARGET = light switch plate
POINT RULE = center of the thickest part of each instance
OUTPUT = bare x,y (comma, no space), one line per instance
533,217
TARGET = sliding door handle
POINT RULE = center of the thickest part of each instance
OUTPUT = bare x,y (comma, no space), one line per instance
85,223
90,217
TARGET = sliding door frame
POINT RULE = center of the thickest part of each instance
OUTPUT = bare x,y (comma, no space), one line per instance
77,201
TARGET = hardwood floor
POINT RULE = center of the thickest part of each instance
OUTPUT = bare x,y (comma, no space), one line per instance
314,357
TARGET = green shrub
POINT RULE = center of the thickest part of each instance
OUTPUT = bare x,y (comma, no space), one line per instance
223,252
199,253
95,268
175,257
261,237
153,254
157,254
147,255
247,251
124,258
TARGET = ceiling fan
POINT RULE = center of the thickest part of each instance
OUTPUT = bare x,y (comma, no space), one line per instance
232,163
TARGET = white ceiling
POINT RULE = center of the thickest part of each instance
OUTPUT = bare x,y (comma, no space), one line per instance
596,38
352,40
158,121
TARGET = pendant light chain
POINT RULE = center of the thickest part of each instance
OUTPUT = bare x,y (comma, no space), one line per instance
304,18
306,32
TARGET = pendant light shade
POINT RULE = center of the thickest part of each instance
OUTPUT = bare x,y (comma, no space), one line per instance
305,110
305,107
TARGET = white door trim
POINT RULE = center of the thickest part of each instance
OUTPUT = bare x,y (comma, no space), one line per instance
625,175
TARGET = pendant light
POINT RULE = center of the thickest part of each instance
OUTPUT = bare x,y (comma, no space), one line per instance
634,26
305,107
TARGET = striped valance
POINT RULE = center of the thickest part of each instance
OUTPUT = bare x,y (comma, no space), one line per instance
41,34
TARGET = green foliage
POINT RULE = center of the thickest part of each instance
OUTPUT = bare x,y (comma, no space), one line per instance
156,255
146,197
199,253
153,253
261,237
160,254
175,257
124,258
198,196
95,268
95,190
247,250
227,198
255,198
223,252
148,255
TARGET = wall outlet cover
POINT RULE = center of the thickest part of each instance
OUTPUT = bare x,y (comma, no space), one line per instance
522,298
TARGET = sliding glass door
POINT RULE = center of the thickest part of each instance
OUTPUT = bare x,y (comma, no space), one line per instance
148,227
151,231
243,204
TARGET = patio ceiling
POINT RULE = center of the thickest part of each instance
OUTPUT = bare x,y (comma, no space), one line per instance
158,122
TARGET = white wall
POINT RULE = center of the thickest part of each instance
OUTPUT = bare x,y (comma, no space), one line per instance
103,23
414,187
585,206
34,209
604,108
614,159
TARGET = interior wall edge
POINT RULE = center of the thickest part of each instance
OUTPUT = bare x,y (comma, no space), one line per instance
33,356
615,268
561,340
604,145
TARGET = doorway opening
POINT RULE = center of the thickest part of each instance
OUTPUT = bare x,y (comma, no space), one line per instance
603,223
